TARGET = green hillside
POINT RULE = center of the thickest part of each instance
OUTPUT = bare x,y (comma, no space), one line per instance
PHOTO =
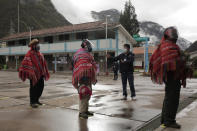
37,14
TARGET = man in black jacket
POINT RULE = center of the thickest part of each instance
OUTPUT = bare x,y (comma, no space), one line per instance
126,69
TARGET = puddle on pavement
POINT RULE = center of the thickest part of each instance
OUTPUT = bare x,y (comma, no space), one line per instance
54,92
108,84
10,91
99,96
61,120
125,113
20,97
97,105
56,96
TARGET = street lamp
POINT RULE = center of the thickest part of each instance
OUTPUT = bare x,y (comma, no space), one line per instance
18,3
30,33
29,28
106,44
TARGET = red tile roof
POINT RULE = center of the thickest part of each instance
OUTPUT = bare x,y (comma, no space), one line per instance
140,50
59,30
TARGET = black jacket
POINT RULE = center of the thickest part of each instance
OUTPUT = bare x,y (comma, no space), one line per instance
126,62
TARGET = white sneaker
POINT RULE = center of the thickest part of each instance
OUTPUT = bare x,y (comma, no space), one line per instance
134,98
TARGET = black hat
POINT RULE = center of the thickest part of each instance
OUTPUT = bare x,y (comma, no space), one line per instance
127,45
88,44
171,33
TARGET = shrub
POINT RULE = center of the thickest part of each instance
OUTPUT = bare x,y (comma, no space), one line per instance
195,74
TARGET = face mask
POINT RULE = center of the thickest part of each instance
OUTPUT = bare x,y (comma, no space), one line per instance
37,48
125,50
89,49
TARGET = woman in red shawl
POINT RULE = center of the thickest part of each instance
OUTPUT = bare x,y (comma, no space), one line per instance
35,69
84,75
168,66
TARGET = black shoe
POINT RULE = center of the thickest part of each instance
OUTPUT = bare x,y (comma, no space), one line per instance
174,125
34,105
124,98
83,115
90,113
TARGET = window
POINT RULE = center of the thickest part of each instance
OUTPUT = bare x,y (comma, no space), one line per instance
12,58
22,42
100,35
82,35
110,60
11,43
111,34
64,37
96,56
48,39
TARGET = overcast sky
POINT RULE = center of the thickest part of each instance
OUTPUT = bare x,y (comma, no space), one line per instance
179,13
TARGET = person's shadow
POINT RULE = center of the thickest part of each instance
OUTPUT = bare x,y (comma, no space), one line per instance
83,124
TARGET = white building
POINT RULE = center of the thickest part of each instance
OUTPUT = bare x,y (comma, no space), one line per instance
60,43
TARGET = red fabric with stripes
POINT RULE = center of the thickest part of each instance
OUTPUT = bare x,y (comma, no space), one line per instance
168,54
33,67
84,66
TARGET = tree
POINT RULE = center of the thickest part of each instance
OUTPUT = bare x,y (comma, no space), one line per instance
128,19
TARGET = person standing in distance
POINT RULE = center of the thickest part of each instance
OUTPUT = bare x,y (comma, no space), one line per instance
168,66
34,68
126,60
84,75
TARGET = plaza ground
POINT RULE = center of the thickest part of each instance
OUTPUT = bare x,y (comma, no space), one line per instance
61,110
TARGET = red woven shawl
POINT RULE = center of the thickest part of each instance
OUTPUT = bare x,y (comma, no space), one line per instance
84,66
33,67
168,54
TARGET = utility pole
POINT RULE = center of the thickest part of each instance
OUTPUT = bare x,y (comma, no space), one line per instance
18,3
106,43
29,34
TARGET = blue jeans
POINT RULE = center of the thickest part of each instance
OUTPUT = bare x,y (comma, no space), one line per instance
129,76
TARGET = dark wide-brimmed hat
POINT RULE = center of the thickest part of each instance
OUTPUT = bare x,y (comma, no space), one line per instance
33,42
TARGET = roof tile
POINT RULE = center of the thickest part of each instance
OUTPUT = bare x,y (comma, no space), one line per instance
58,30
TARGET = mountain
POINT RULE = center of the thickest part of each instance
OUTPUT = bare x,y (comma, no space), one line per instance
147,28
114,15
192,48
37,14
155,32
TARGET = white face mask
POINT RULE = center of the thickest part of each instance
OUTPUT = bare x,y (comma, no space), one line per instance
125,50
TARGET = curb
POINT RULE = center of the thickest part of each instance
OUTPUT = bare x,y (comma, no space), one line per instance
154,123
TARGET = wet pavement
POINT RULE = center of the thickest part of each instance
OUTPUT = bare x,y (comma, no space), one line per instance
56,119
61,110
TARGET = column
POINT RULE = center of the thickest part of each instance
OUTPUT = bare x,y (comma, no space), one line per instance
146,56
55,67
55,63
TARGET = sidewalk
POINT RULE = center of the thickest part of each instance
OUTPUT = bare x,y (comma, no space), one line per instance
187,118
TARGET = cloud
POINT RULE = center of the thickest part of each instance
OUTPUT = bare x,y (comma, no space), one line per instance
157,9
78,11
179,13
